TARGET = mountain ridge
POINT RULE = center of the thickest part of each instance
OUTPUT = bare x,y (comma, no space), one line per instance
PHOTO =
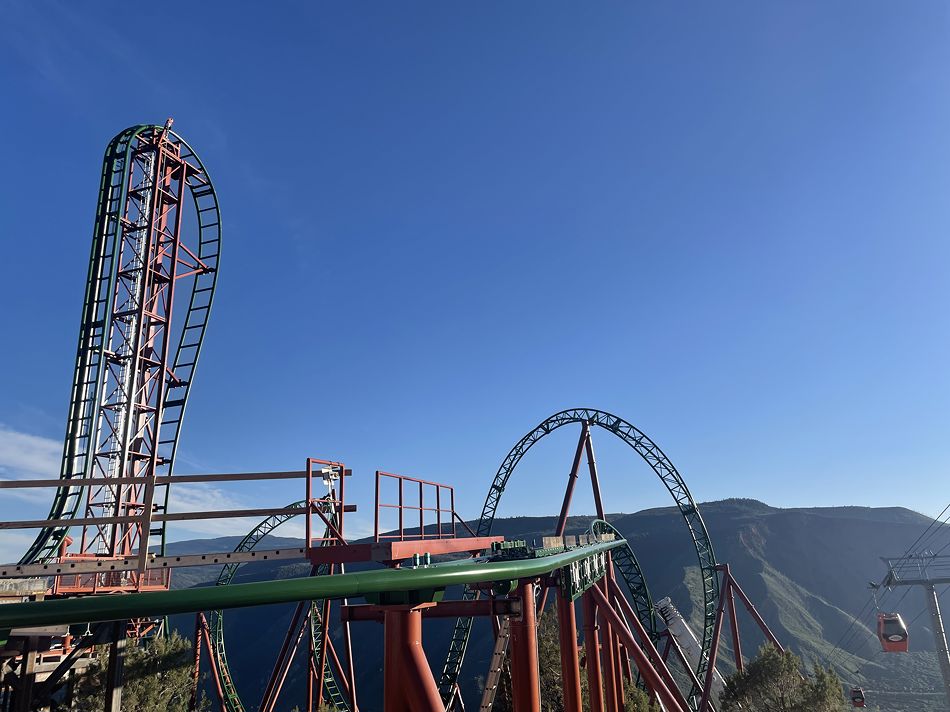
805,568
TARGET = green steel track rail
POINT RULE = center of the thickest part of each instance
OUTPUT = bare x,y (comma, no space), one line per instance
671,479
96,609
628,566
232,699
195,325
91,358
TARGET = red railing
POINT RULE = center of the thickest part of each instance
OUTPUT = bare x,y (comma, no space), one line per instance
443,495
109,581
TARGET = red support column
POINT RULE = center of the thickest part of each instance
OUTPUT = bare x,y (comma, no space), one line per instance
525,684
734,586
713,653
594,480
285,658
592,653
619,674
568,494
343,680
620,657
196,671
608,647
625,663
570,672
408,685
394,645
733,623
308,525
572,480
646,646
671,698
215,673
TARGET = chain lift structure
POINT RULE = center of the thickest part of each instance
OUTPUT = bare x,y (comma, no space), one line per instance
148,297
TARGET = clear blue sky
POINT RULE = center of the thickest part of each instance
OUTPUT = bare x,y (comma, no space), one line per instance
727,223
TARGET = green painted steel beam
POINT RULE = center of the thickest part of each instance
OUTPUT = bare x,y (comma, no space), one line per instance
93,609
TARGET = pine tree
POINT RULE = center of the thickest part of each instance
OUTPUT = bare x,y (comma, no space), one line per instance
157,678
772,682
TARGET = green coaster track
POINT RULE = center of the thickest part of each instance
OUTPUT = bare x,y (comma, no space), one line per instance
624,558
232,700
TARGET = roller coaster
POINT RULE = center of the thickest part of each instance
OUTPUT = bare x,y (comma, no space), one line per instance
156,245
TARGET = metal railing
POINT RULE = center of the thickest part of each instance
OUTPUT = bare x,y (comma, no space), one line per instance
413,515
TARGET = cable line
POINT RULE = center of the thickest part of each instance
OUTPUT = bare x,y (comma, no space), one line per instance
845,639
838,645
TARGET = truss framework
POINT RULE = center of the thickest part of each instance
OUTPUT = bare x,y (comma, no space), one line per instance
135,364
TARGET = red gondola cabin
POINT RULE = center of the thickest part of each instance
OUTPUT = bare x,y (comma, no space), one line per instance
857,697
892,632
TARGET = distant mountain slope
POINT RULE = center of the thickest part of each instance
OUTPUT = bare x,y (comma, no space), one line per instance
805,569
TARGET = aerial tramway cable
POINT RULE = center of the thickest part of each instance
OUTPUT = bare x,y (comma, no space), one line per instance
845,639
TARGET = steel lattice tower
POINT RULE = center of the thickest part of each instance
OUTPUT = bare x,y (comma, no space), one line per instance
136,356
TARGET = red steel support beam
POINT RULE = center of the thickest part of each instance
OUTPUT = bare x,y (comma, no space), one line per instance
704,704
734,586
350,674
592,653
572,480
620,655
594,480
376,512
681,656
310,504
625,663
608,652
215,673
343,678
567,638
568,495
672,700
646,644
196,670
734,625
525,683
408,685
284,657
619,673
342,510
